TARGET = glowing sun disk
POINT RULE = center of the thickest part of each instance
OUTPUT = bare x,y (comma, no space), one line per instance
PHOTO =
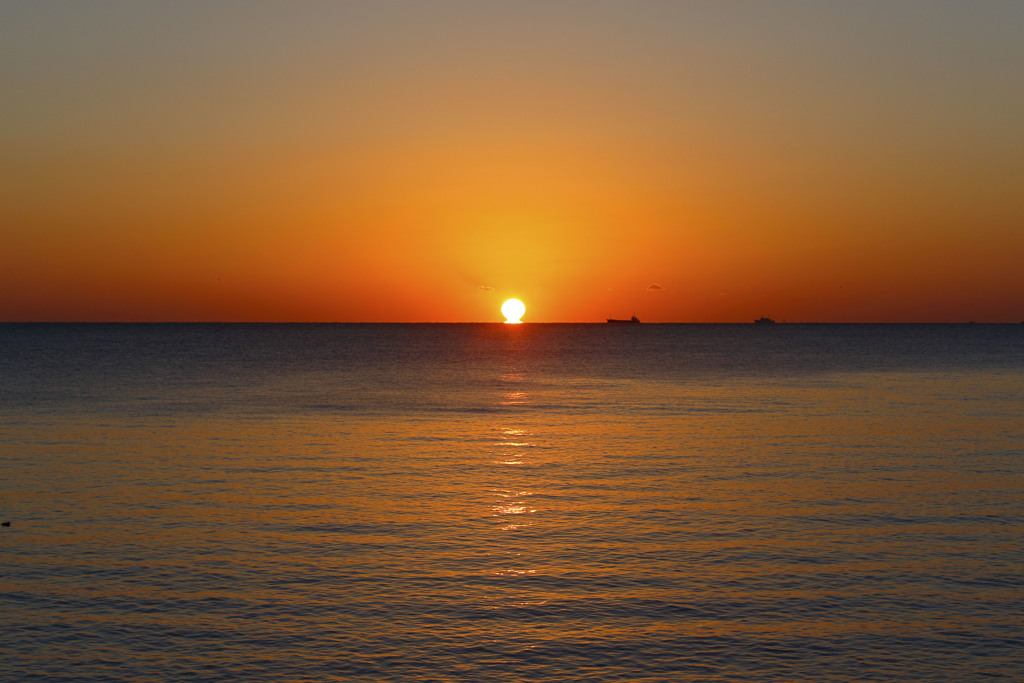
513,310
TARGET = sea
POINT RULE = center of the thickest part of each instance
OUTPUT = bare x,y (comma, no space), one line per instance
489,502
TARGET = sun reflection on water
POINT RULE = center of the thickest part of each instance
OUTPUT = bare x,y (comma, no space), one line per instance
510,447
511,450
512,503
512,500
514,398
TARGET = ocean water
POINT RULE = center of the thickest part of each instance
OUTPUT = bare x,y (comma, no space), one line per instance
512,503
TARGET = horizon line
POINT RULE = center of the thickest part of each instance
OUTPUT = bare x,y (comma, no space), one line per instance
492,322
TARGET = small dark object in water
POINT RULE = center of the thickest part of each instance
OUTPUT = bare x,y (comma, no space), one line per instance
5,523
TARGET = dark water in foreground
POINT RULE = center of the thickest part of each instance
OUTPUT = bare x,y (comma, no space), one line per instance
512,503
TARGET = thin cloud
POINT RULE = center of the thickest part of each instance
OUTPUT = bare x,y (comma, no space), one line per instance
485,288
655,287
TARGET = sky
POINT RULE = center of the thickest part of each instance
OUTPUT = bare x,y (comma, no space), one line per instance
401,160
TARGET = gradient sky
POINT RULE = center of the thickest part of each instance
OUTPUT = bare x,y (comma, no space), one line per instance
423,161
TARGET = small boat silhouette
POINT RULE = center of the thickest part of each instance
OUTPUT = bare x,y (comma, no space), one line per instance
764,321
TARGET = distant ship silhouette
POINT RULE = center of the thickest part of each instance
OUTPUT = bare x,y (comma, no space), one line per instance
764,321
634,319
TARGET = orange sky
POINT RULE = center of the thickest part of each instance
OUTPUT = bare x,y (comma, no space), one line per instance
405,161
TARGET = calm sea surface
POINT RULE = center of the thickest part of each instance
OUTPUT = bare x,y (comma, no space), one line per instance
512,503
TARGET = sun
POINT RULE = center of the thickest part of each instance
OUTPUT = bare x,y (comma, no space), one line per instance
513,310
